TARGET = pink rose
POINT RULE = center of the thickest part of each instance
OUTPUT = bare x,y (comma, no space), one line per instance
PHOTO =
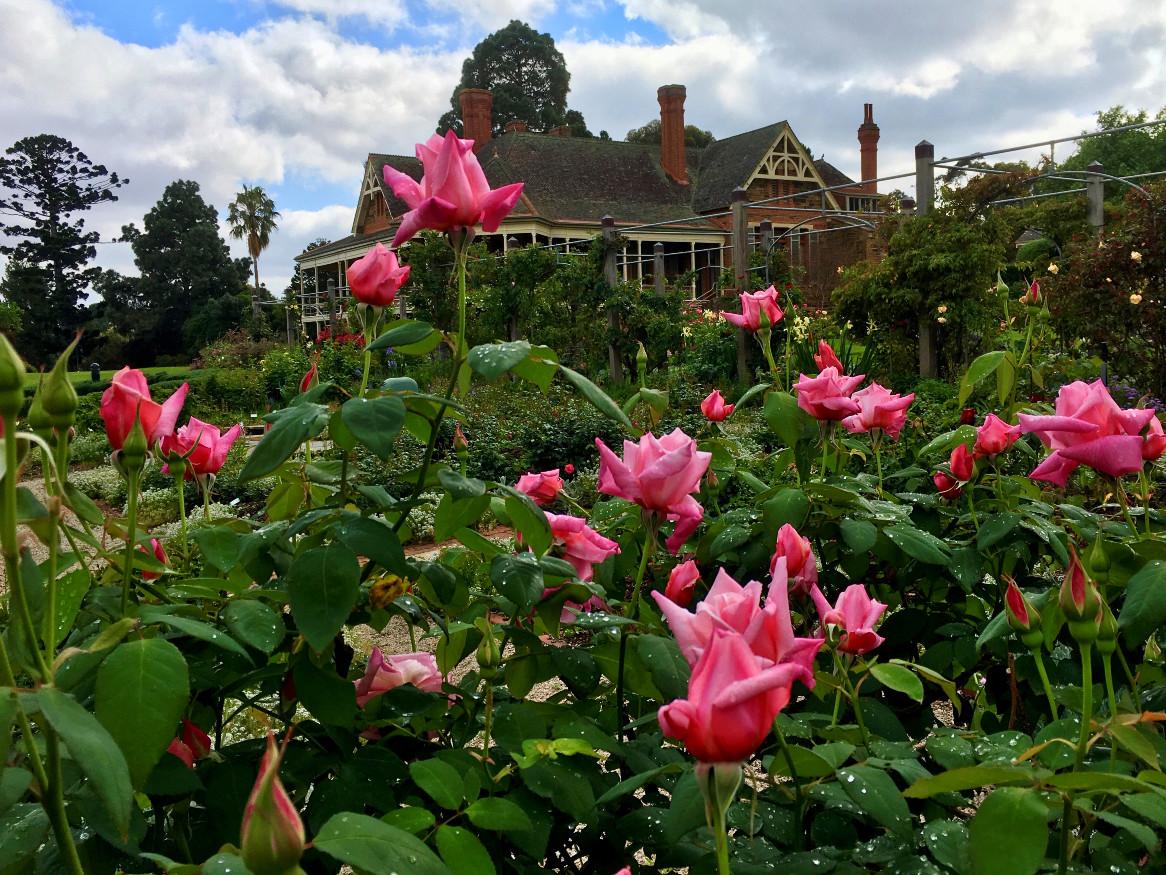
1155,445
855,614
376,278
209,446
768,631
453,192
582,546
682,583
571,610
273,834
310,379
827,396
129,395
879,409
994,437
801,566
384,674
658,474
753,304
1088,429
159,553
181,750
825,357
732,701
542,488
961,467
714,407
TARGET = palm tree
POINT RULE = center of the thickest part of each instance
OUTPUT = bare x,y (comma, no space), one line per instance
252,218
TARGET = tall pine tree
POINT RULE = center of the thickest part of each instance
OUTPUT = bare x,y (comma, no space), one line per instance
45,181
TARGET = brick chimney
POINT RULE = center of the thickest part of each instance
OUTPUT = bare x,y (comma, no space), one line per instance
868,147
477,115
517,126
672,155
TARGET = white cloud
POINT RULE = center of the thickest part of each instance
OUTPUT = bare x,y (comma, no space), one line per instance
386,13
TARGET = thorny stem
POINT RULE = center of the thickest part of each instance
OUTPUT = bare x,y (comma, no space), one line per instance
132,484
1044,679
1107,668
11,551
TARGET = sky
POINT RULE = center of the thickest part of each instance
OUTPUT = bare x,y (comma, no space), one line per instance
293,94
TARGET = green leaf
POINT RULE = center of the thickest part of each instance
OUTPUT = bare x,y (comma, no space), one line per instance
898,678
440,781
806,763
498,814
1144,608
977,371
666,663
597,397
407,333
539,367
1141,832
635,782
290,427
411,818
785,418
255,624
95,753
224,864
996,527
519,579
948,842
376,848
948,441
194,628
969,778
1009,833
375,422
858,535
1005,377
492,360
142,688
462,852
452,515
788,506
323,585
875,792
13,784
23,829
365,536
919,544
530,520
458,486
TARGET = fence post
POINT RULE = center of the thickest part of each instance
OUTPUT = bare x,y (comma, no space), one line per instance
1095,193
332,306
741,272
924,201
658,268
611,277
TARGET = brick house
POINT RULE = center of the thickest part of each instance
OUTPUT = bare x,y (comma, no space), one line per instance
682,194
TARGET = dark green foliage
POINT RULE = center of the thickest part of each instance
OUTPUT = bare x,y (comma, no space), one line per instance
45,181
649,134
527,76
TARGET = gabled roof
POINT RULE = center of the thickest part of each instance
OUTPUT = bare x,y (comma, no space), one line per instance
831,175
726,164
406,164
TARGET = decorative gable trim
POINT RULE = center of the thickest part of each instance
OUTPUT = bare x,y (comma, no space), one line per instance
787,161
370,193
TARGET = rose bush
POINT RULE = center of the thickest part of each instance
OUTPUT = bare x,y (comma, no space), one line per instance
958,674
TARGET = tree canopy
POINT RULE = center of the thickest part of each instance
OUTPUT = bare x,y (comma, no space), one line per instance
528,77
44,182
252,217
650,134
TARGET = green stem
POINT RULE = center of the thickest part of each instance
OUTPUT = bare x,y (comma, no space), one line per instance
825,450
55,806
489,726
180,486
972,505
634,612
1044,679
460,268
50,618
1086,703
1107,668
837,706
1125,667
364,375
800,835
132,484
852,694
765,339
878,443
722,835
8,544
1066,829
1125,508
1145,501
206,502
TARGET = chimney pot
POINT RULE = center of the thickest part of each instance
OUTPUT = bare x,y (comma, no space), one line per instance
477,115
672,154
